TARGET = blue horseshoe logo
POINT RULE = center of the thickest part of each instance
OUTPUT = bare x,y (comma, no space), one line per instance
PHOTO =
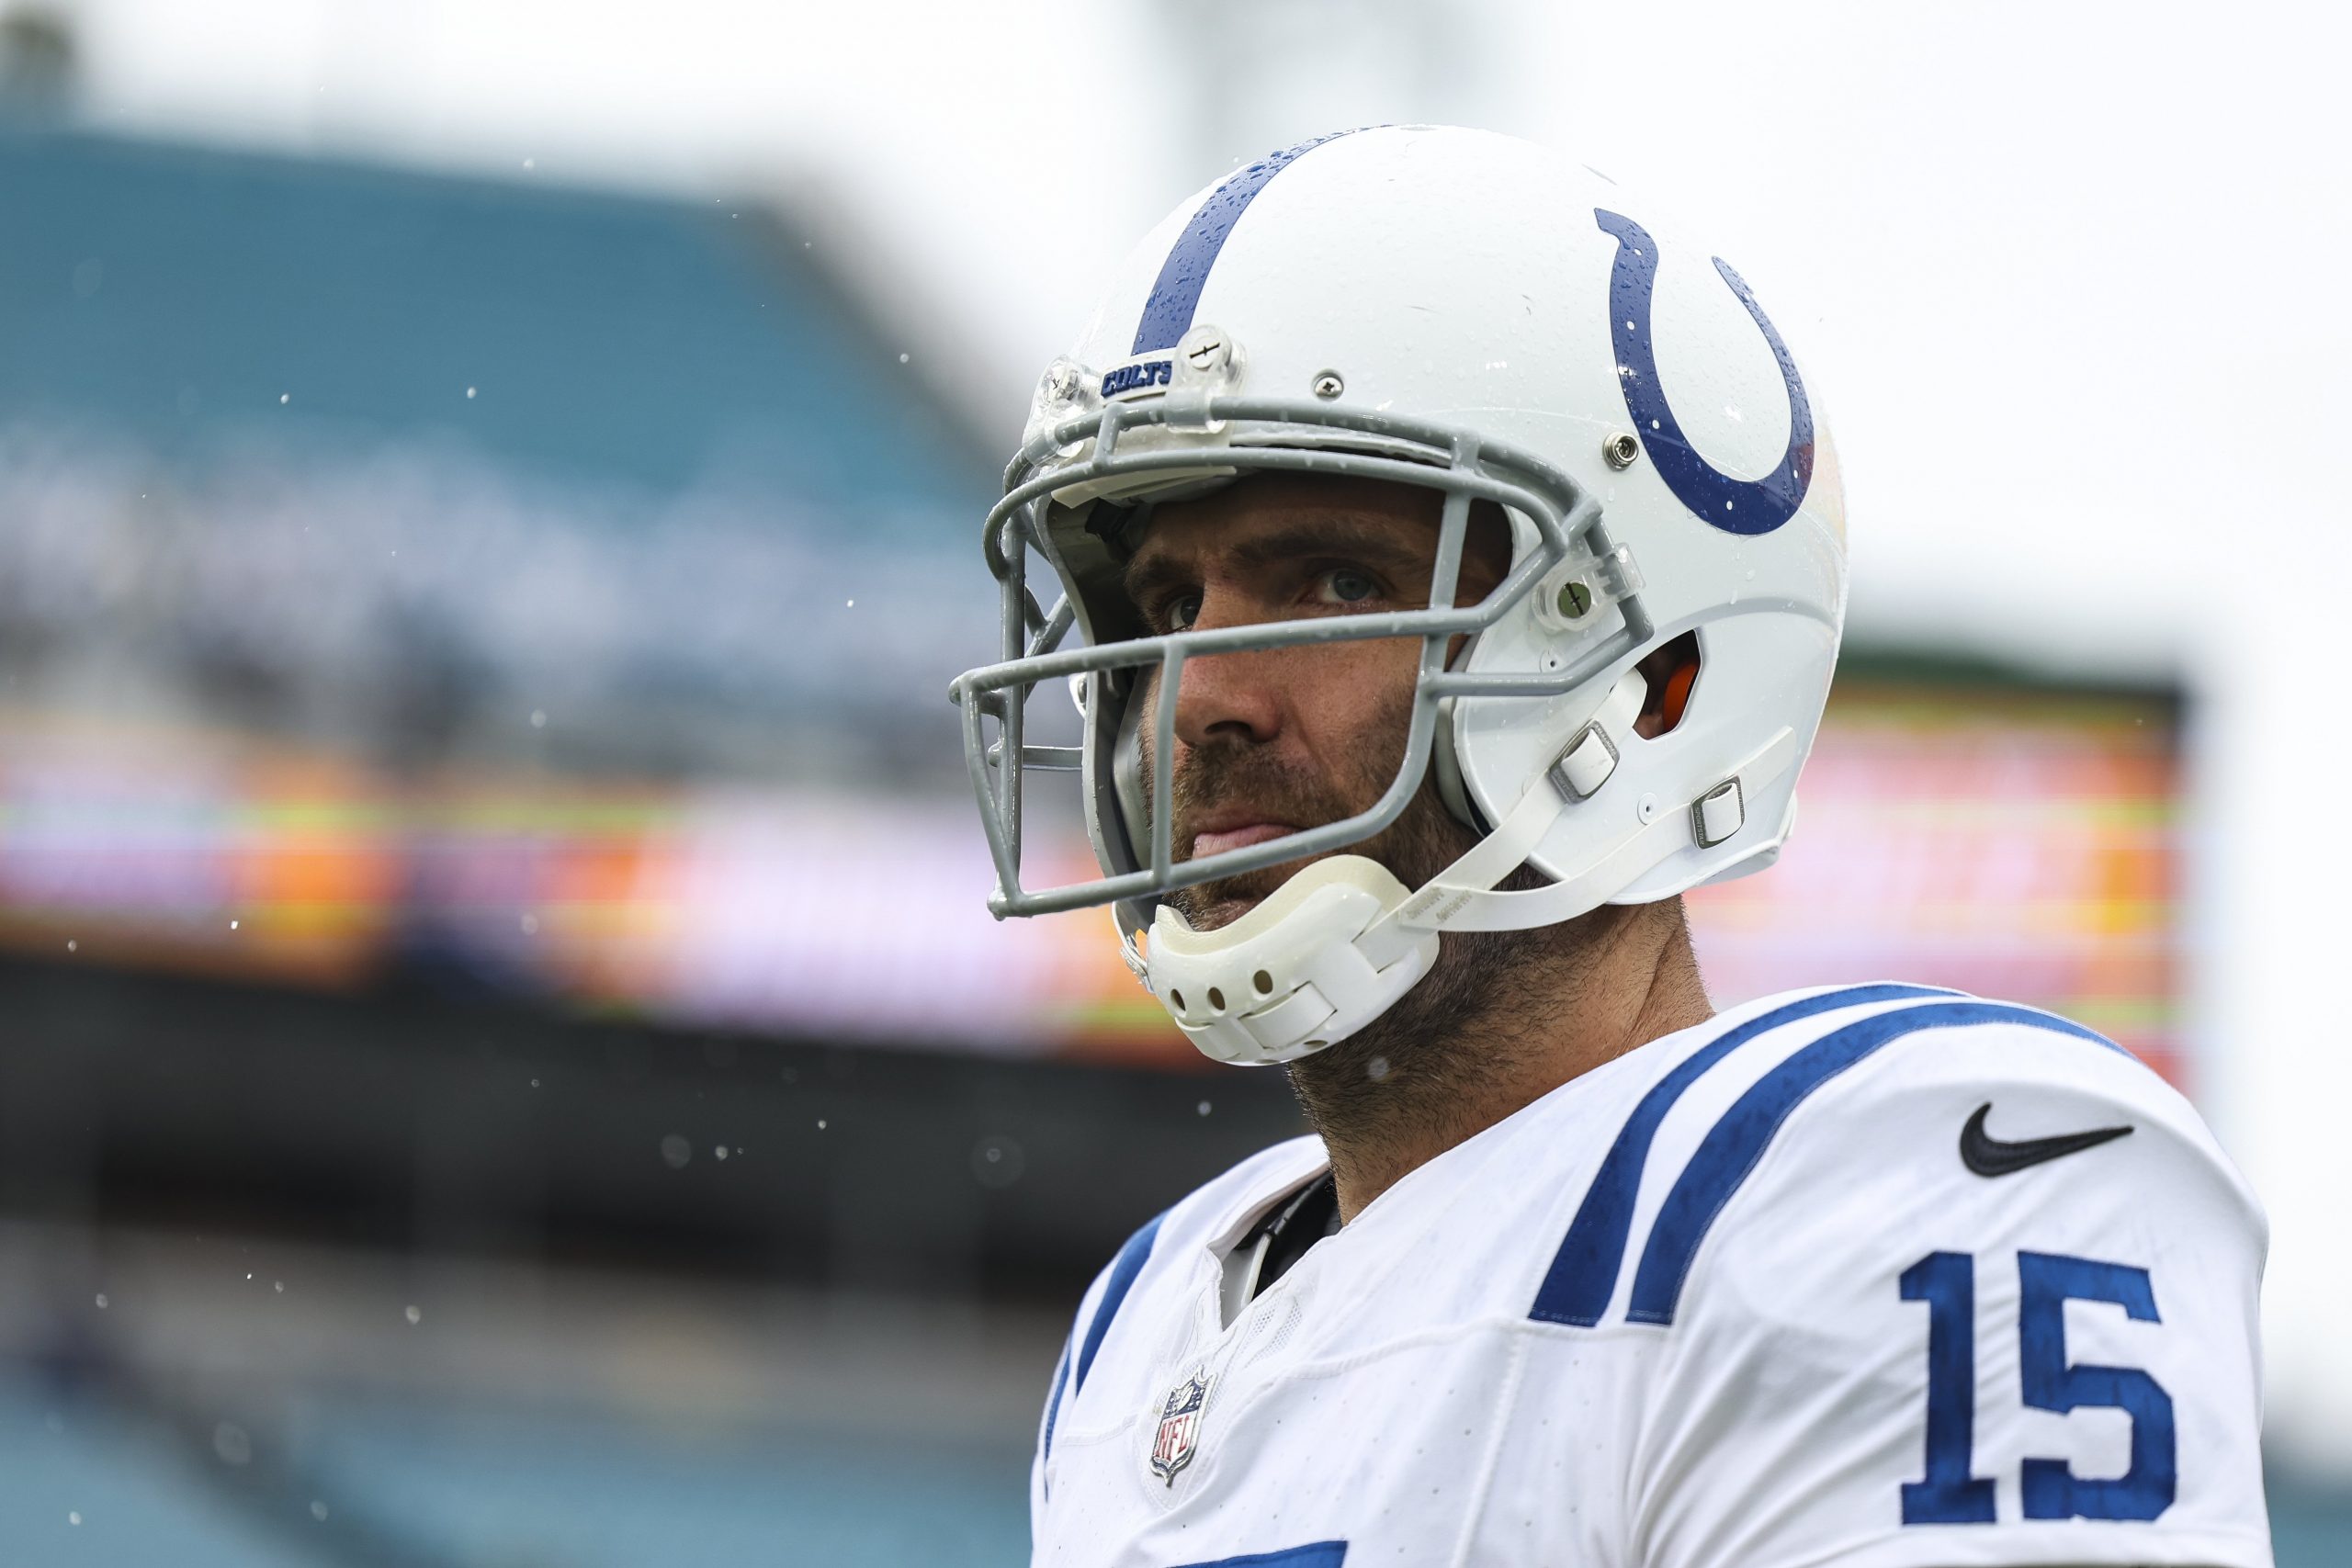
1736,506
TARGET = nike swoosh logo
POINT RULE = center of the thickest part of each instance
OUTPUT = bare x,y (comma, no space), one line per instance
1988,1156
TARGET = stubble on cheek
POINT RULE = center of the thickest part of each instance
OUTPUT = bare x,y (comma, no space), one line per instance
1421,843
1208,779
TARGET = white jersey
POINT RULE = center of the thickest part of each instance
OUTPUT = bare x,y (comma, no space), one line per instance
1771,1292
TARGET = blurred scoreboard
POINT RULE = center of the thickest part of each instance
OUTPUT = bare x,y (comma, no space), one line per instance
2011,841
2017,843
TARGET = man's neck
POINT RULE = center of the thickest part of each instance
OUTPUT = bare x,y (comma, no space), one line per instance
1499,1024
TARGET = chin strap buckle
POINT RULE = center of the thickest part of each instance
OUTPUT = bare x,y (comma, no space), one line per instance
1586,765
1718,814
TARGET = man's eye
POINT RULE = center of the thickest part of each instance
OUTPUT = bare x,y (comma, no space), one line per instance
1180,611
1346,585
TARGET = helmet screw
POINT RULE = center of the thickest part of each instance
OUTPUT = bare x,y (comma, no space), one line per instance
1062,381
1205,348
1621,449
1574,599
1329,386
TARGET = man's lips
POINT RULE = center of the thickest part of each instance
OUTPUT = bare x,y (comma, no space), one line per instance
1240,835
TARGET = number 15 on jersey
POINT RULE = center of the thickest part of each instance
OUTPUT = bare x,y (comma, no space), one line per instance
1951,1493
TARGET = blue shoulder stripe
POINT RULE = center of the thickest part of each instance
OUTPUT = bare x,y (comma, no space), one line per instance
1176,293
1320,1554
1054,1404
1123,1270
1584,1273
1734,1145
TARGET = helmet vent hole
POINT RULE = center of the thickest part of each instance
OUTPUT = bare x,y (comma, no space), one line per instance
1217,999
1177,997
1669,673
1263,982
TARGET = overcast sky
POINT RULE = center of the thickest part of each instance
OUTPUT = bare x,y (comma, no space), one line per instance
2068,279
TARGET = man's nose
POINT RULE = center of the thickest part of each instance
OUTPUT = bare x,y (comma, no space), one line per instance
1228,697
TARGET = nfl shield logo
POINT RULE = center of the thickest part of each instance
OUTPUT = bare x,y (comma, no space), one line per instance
1178,1436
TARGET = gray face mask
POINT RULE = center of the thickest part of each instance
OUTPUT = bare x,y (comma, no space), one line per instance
1128,819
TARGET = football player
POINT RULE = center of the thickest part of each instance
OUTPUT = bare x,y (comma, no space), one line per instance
1457,559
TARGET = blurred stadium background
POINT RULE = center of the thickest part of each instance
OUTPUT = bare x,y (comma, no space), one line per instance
504,1060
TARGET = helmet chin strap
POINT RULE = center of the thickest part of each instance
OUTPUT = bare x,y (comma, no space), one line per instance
1343,940
1456,901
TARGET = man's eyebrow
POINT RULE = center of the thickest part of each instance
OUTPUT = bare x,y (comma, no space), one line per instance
1147,571
1333,534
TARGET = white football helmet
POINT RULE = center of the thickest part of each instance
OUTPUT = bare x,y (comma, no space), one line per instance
1468,312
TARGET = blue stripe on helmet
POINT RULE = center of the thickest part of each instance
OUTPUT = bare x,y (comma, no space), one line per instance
1176,293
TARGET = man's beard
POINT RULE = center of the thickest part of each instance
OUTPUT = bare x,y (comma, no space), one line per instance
1423,840
1480,1008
